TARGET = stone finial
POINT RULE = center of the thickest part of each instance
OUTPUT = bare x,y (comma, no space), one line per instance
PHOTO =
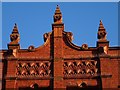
57,11
101,25
15,37
15,29
101,32
58,15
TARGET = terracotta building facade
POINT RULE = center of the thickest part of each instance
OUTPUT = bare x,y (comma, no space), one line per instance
60,64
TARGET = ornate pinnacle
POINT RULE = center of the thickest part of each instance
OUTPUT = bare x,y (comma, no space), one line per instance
57,11
15,29
101,32
14,37
57,15
101,25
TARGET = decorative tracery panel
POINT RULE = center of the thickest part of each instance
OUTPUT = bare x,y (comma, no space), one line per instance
80,68
33,68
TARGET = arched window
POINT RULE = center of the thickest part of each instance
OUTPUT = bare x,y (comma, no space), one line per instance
82,85
34,86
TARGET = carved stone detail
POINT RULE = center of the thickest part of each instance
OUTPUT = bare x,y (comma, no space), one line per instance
33,68
24,72
15,37
34,65
57,15
101,32
31,48
84,46
25,65
45,36
33,72
70,35
88,67
102,35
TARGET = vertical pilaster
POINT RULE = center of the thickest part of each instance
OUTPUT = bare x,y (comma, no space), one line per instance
57,29
58,60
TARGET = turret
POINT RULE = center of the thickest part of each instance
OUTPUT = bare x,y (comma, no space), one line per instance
15,38
102,42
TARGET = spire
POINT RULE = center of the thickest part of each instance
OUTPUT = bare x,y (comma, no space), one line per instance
102,42
101,25
58,15
14,37
57,11
101,32
15,29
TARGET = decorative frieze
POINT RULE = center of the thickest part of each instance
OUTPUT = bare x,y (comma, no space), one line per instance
81,67
33,68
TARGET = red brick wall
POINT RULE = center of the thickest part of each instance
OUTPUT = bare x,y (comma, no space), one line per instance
57,50
109,67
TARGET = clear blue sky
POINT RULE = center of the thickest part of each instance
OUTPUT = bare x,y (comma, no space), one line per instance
82,19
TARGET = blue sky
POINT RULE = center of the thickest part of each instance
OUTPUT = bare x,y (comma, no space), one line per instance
0,25
80,18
